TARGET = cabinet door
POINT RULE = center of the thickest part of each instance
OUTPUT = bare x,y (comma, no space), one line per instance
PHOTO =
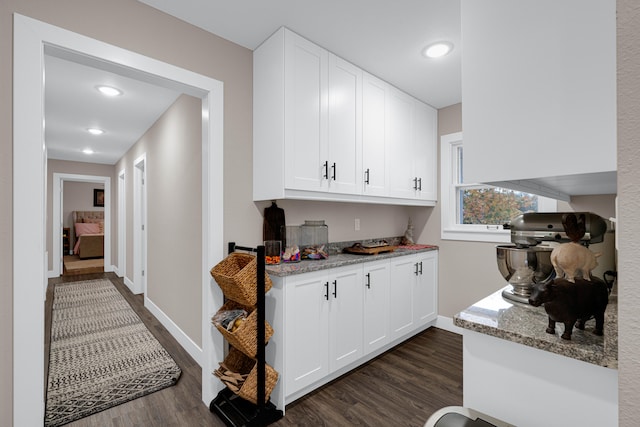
399,144
345,316
376,305
344,127
307,338
373,136
305,114
425,297
425,123
403,273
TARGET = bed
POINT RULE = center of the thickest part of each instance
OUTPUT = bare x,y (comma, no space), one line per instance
88,233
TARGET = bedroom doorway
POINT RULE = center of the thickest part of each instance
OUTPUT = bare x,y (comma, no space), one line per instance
59,180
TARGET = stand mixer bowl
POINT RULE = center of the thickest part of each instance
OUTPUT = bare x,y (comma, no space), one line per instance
523,267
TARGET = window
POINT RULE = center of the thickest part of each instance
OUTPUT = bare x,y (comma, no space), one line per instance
477,212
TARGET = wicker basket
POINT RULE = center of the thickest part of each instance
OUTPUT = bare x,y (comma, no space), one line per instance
237,277
248,388
245,337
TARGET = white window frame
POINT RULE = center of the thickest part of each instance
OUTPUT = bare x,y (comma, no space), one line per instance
450,228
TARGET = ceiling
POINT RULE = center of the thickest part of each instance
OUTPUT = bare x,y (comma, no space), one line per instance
382,37
73,104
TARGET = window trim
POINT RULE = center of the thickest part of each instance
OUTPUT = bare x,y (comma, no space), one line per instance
450,229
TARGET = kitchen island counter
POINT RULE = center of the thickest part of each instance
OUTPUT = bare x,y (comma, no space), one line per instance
525,324
516,372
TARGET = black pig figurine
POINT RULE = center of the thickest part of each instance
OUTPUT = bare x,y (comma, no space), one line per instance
568,302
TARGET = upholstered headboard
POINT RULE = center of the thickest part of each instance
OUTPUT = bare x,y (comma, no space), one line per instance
79,216
86,216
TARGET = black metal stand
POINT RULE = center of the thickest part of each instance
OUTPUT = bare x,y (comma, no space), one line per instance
232,409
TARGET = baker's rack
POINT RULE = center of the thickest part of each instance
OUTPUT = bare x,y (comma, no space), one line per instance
232,409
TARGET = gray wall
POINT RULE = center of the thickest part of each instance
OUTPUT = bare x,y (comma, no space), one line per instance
173,147
628,15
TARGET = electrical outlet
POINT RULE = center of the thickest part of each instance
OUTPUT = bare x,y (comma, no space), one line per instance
357,224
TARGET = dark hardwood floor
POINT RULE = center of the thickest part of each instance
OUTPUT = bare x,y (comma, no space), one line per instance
402,387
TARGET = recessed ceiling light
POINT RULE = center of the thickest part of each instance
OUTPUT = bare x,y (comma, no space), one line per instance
87,151
95,131
109,90
437,50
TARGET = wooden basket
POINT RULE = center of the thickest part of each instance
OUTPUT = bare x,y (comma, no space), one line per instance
237,277
247,387
245,337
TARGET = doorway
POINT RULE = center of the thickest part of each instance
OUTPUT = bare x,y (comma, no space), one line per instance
31,38
57,216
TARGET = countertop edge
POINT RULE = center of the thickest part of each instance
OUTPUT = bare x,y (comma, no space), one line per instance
603,354
339,260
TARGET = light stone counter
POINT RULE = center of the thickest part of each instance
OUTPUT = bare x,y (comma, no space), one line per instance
338,260
525,324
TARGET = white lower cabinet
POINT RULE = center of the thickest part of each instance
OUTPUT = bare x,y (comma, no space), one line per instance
376,303
324,324
413,298
335,319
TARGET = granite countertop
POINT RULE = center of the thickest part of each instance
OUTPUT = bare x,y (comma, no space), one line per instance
339,259
525,324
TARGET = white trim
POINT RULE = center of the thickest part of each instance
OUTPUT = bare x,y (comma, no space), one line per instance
122,224
183,339
129,283
29,195
57,221
139,220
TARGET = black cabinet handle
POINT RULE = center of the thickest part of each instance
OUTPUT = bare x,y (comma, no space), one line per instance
326,291
333,173
421,268
366,176
416,272
326,170
368,281
415,183
419,184
335,289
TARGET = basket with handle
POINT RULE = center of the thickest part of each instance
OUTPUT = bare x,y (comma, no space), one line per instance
245,337
239,373
237,277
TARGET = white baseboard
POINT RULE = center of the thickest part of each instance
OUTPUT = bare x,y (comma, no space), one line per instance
175,331
446,323
109,268
51,274
130,285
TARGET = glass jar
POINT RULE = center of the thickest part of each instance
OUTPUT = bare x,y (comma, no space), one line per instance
314,234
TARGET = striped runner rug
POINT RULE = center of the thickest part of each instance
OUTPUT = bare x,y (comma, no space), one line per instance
101,354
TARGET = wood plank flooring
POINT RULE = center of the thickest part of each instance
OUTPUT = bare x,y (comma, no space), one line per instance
402,387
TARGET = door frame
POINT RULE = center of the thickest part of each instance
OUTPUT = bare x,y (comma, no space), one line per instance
31,39
121,269
139,225
56,237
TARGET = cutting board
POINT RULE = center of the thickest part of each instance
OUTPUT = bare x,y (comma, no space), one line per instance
359,250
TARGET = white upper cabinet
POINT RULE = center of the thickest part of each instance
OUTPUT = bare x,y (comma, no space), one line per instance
344,157
323,130
399,145
539,95
374,95
305,123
